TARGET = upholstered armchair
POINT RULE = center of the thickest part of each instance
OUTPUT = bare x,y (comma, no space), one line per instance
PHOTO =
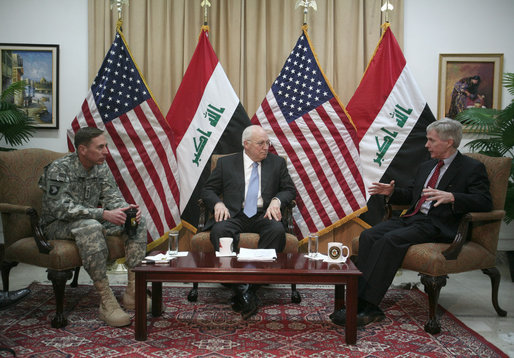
474,246
200,242
20,202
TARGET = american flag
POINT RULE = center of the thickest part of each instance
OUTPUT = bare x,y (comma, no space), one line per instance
139,139
307,123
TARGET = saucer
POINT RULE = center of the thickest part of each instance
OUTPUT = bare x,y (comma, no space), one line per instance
341,261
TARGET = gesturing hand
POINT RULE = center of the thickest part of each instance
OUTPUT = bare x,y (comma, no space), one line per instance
440,197
381,188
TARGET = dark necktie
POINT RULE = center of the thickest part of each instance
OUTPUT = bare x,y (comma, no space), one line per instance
250,208
431,183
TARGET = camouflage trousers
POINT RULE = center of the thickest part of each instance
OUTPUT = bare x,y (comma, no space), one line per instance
90,237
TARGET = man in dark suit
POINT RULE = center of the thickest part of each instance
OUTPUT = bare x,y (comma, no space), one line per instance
246,192
444,189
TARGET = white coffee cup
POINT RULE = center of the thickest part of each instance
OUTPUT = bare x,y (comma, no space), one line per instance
336,251
226,245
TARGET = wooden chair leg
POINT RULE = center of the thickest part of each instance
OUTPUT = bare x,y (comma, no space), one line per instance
193,294
495,277
6,269
75,281
433,285
59,279
295,295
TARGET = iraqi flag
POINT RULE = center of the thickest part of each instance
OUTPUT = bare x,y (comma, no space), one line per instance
391,116
206,118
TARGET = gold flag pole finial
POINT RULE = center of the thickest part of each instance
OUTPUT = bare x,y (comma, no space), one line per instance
306,4
119,4
386,8
206,4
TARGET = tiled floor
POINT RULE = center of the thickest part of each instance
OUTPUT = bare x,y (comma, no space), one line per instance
467,296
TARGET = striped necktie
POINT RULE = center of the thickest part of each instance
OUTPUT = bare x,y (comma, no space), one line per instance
431,183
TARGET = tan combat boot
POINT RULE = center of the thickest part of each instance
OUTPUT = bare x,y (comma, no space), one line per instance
110,311
129,297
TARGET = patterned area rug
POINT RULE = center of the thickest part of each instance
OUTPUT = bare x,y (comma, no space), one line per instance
209,328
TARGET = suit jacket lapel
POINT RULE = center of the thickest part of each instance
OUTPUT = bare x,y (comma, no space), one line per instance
265,166
239,168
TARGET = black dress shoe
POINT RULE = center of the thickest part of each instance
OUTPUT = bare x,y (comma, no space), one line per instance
369,315
339,317
10,298
248,304
366,313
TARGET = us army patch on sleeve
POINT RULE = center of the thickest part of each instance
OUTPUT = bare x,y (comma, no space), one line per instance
54,189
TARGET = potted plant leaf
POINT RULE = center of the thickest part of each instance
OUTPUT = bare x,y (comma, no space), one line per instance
15,126
496,130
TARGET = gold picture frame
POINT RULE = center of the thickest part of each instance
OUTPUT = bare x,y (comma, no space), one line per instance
38,66
459,88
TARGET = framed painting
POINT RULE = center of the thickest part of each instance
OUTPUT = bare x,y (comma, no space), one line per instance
468,80
38,66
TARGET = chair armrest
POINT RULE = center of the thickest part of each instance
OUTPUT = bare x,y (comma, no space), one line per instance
42,244
202,217
288,215
452,252
389,208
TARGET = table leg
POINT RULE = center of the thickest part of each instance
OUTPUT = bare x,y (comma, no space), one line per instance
156,299
140,318
339,297
351,311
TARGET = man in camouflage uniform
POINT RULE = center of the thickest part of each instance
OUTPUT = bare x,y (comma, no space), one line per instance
82,202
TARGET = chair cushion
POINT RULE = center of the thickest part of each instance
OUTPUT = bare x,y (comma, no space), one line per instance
64,255
202,243
428,258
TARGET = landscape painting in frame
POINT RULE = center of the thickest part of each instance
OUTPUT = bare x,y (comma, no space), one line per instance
38,66
468,80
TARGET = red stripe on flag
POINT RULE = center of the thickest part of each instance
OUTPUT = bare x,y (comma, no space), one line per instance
333,162
163,154
291,153
377,83
146,160
314,157
134,173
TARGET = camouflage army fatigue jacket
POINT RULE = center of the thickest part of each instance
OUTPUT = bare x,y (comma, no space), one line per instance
72,193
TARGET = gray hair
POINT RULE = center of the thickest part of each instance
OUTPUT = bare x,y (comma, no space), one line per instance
447,128
247,133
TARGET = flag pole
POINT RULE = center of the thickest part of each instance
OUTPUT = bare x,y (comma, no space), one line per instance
119,4
206,4
387,7
119,265
306,4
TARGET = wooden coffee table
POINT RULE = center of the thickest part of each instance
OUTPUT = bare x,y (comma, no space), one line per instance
288,268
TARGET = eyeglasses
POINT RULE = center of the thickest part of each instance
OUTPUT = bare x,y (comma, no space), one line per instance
261,143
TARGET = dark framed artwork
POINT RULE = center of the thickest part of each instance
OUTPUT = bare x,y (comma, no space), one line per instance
38,66
468,80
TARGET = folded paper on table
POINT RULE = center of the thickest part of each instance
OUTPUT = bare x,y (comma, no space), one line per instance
256,254
219,254
165,257
178,254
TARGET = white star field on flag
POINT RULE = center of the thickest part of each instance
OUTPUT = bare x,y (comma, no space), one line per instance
300,86
118,87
